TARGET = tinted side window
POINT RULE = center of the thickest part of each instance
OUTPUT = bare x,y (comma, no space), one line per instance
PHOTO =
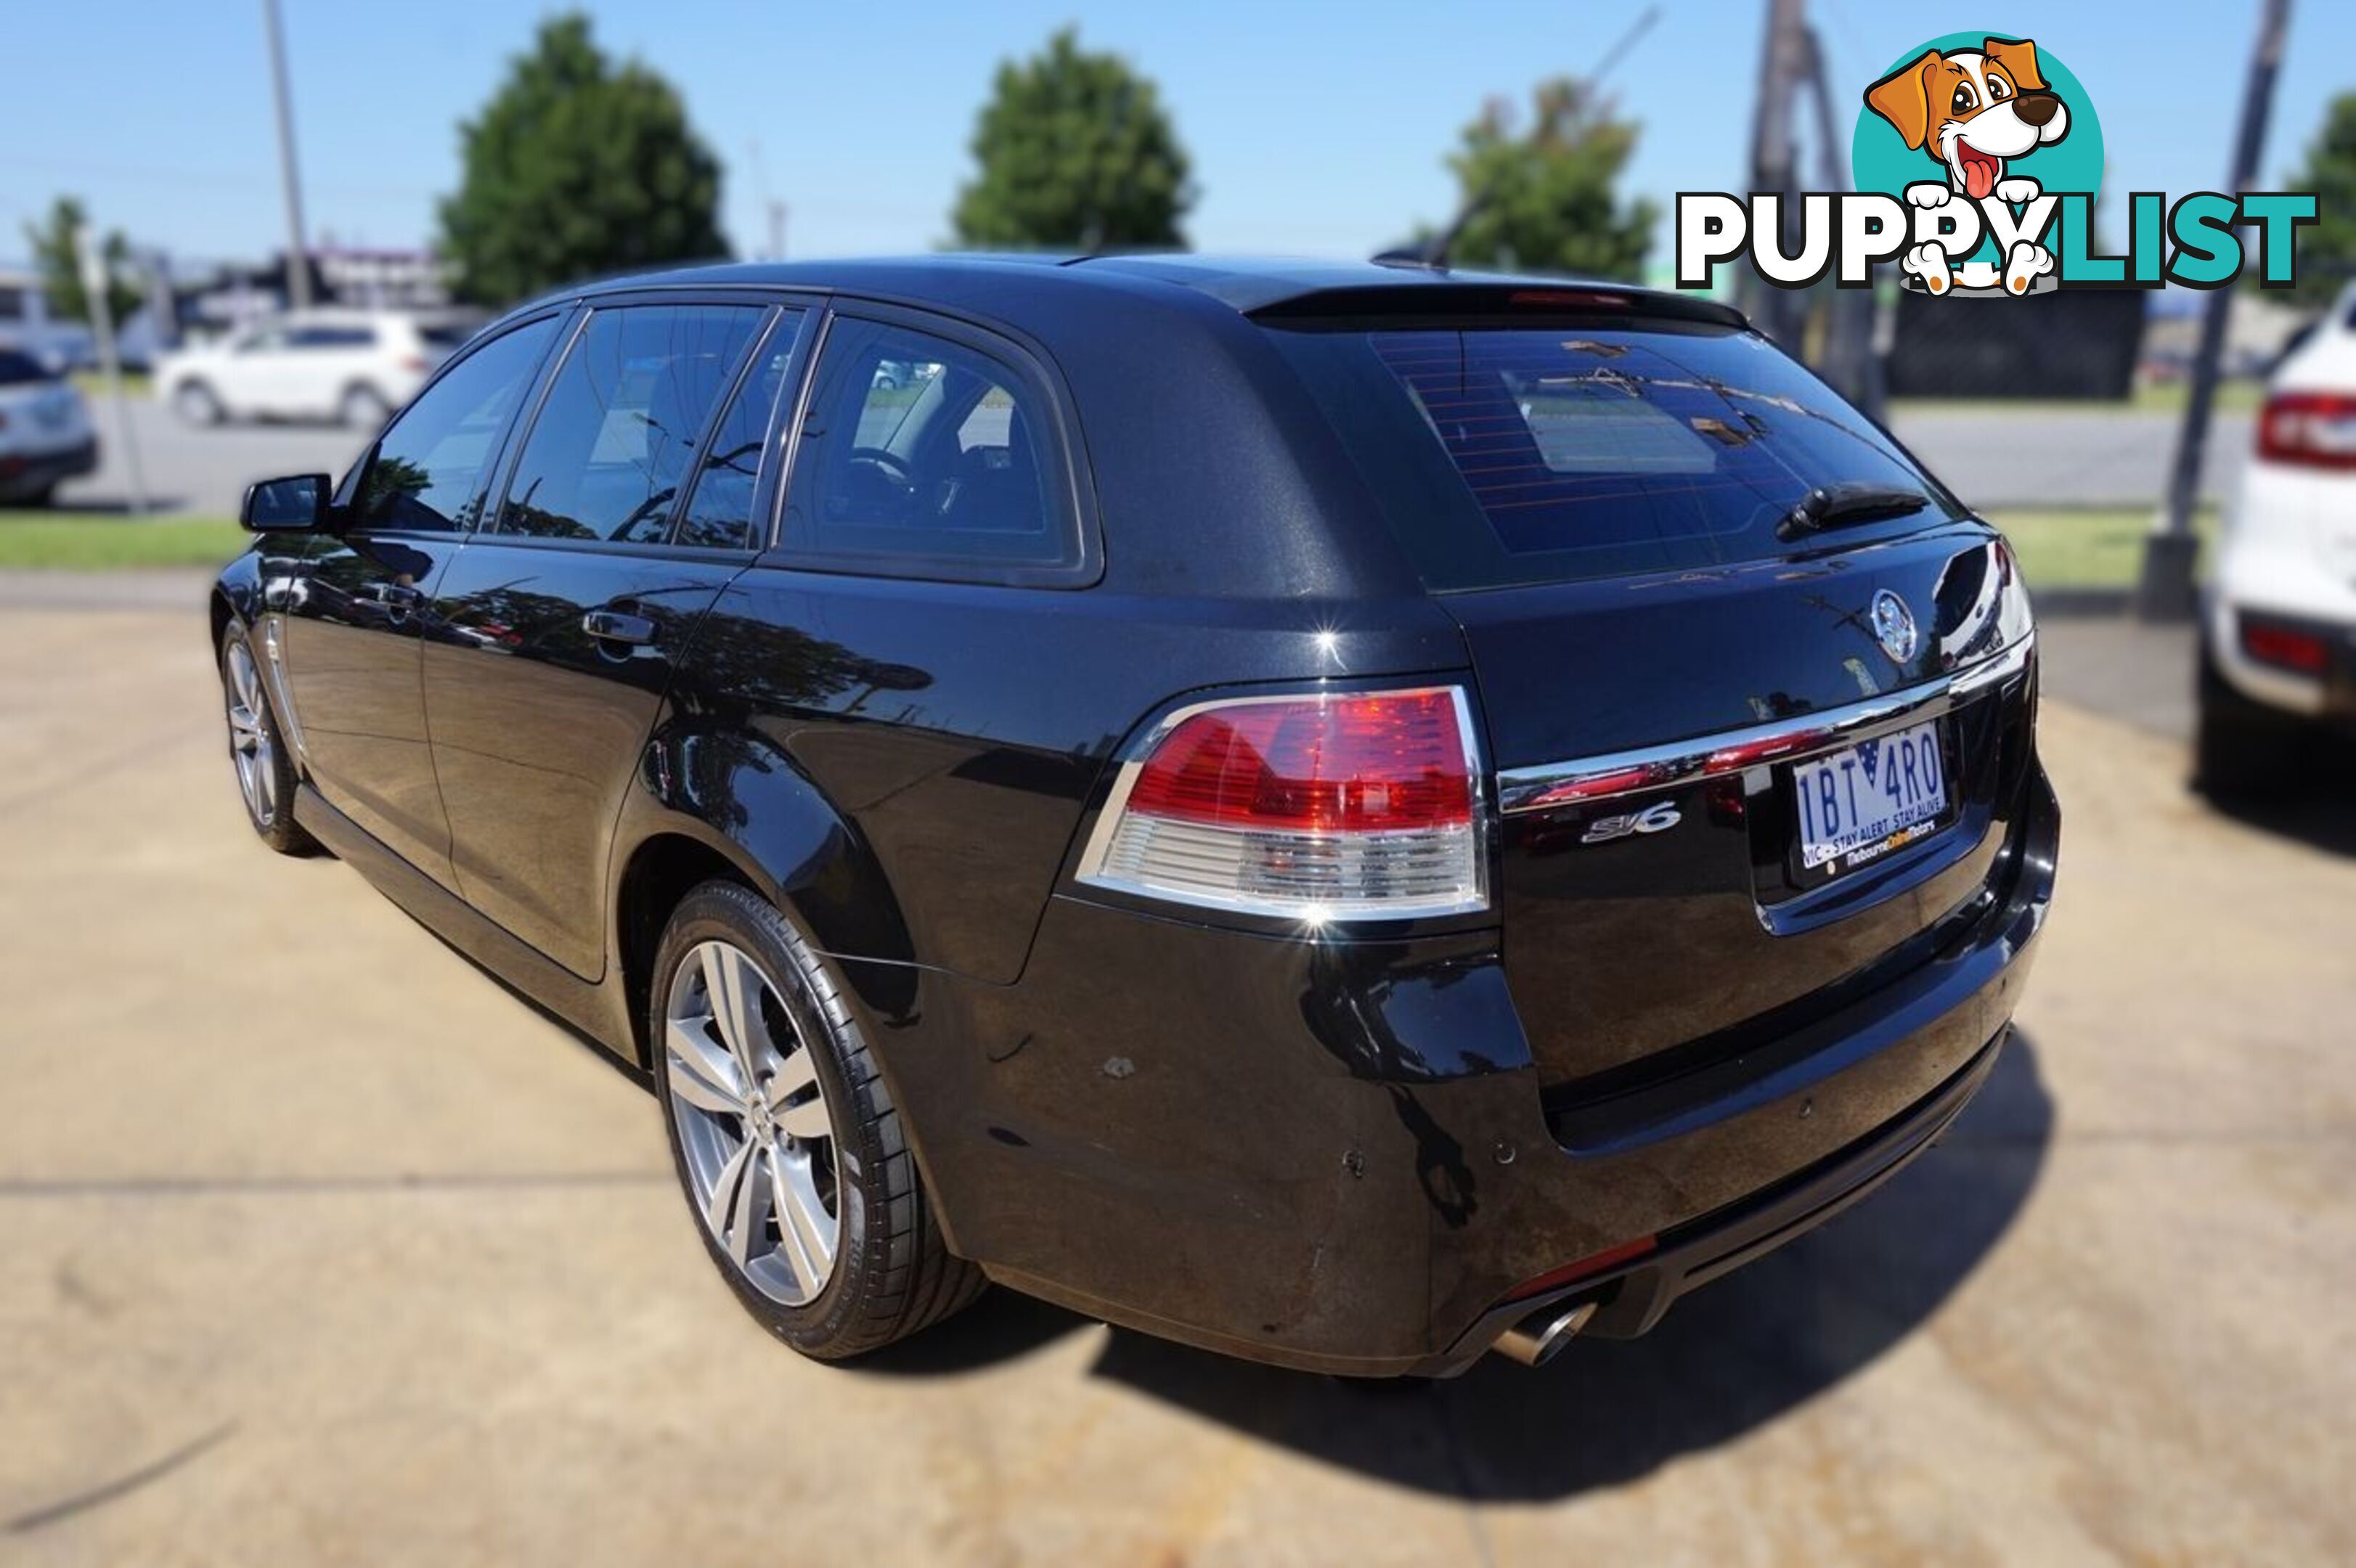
719,516
428,469
923,451
613,442
333,337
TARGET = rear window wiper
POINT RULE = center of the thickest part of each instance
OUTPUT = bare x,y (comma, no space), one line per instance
1832,506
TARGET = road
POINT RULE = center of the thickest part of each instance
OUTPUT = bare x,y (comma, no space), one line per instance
2043,455
1995,458
202,470
322,1249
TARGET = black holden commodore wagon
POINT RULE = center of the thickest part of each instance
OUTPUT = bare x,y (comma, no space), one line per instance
1350,815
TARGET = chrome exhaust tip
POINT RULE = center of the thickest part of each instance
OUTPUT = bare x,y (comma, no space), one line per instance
1534,1340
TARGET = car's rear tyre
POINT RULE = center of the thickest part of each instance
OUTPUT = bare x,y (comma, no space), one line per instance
362,407
195,404
39,500
787,1147
2241,746
265,773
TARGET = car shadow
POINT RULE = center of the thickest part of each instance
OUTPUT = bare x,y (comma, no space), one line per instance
113,510
2316,810
1725,1360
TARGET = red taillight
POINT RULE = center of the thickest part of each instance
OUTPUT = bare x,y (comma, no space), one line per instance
1582,1268
1564,299
2316,428
1344,764
1351,805
2285,647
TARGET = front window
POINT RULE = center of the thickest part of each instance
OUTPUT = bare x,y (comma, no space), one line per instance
427,470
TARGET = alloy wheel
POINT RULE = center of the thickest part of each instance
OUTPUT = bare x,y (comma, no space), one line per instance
251,745
751,1113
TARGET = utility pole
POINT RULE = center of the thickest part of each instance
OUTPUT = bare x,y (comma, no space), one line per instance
97,284
2164,591
1783,62
299,258
1852,362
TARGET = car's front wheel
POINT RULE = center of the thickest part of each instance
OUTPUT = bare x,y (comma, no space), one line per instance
265,773
789,1149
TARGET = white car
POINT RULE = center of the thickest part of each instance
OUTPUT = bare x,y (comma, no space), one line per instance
2279,634
353,366
45,430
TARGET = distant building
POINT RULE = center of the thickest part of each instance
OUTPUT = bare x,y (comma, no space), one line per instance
26,323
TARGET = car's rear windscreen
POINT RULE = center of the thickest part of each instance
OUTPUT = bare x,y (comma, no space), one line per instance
1532,454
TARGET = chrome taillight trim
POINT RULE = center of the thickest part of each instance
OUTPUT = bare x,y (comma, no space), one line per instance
1091,871
1546,786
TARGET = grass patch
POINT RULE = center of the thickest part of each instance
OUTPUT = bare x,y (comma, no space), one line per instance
2238,396
2089,547
52,541
135,384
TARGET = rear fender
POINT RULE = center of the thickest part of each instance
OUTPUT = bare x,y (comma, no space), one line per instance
743,799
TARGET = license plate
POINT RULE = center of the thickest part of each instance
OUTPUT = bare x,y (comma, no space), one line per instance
1861,802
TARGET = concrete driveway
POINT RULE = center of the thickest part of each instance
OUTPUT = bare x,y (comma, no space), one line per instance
321,1249
201,469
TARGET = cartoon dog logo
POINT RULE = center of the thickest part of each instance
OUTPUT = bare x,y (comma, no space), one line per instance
1975,111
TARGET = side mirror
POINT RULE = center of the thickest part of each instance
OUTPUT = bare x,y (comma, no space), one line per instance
296,505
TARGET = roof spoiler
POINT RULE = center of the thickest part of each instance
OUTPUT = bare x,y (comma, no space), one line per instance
1492,304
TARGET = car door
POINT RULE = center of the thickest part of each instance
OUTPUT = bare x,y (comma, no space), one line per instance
899,647
324,358
252,377
556,630
359,601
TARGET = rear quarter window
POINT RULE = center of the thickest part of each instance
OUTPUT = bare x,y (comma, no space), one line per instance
926,455
1528,455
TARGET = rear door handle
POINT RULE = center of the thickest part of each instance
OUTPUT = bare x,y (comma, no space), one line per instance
618,626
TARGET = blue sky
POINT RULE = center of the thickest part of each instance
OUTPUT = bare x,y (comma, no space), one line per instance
1315,129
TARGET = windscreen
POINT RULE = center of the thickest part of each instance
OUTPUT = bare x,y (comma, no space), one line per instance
17,369
1520,454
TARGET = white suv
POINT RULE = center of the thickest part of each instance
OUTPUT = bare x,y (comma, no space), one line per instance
2278,657
355,366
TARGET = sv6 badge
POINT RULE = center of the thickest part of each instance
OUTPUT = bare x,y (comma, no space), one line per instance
1652,820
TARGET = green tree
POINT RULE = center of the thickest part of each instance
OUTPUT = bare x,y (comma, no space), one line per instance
59,261
576,168
1076,152
2326,248
1543,200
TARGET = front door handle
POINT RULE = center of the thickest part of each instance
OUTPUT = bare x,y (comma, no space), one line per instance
618,626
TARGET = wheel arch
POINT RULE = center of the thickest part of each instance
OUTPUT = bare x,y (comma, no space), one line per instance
222,613
739,811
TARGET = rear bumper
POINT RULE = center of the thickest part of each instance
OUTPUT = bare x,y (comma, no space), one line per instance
28,472
1336,1156
2288,556
1631,1297
2329,699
